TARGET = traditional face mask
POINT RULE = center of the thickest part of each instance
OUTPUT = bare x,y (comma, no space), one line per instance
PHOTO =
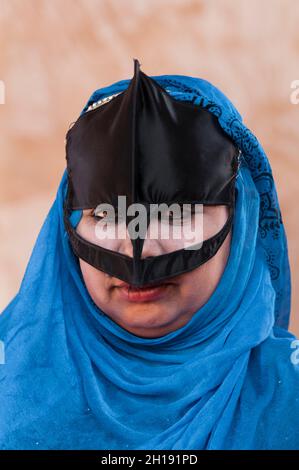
144,144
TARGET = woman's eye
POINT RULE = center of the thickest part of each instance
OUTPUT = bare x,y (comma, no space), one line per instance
108,218
100,215
177,217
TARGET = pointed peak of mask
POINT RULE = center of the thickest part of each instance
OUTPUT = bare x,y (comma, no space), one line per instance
136,68
145,91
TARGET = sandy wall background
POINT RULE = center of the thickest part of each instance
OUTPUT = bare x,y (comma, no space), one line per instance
54,53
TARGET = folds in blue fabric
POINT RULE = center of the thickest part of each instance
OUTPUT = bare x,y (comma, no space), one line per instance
74,379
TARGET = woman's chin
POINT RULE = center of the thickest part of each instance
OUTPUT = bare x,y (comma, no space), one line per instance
146,320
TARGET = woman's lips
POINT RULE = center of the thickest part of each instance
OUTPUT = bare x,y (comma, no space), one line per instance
142,294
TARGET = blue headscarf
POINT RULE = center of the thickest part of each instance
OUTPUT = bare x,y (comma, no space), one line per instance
228,379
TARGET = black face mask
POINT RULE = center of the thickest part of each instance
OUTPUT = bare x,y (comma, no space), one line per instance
144,144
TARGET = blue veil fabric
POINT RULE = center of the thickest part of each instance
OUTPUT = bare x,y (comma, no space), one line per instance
228,379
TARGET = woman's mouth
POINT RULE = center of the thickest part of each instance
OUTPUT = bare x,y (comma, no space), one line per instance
143,294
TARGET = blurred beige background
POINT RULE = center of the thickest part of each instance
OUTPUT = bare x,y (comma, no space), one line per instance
54,53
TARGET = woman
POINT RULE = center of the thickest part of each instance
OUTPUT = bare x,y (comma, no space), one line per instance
145,345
